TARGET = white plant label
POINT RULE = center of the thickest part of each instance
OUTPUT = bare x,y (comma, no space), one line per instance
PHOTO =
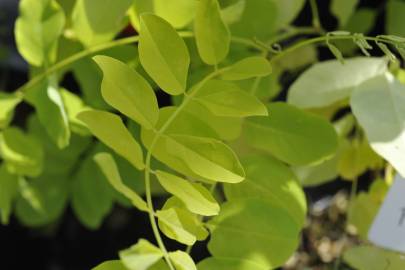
388,228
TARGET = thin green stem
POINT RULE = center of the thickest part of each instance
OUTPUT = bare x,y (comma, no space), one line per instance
293,31
148,169
316,22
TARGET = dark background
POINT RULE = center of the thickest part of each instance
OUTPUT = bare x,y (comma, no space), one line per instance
68,245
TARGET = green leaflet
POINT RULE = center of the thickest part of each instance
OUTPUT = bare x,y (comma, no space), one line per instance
269,179
206,157
195,196
45,202
319,87
97,21
73,106
254,66
110,170
163,54
394,23
226,99
37,30
110,265
110,129
292,135
343,10
287,11
92,196
8,192
384,122
22,154
127,91
179,13
373,258
8,102
227,128
252,232
213,263
212,35
51,111
177,223
171,224
141,256
182,261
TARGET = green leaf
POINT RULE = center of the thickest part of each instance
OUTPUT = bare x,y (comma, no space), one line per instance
343,9
252,232
97,21
395,12
208,158
384,121
45,201
163,54
8,192
8,102
292,135
213,263
182,261
50,108
373,258
110,265
110,129
37,29
22,154
141,256
271,180
212,35
73,106
92,196
226,99
171,224
195,196
127,91
110,170
319,87
178,13
254,66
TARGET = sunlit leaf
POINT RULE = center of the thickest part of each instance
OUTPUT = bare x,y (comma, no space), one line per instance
110,129
109,168
254,66
110,265
182,261
163,54
212,35
126,90
195,196
8,102
319,87
141,256
384,121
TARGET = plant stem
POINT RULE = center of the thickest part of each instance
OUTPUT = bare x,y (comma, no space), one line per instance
316,22
148,169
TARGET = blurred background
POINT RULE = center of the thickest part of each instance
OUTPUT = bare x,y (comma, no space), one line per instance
68,245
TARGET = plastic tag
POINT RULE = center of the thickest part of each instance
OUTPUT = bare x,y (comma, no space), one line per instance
388,228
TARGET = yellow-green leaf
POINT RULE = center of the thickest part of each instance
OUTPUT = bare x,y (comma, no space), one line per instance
8,192
195,196
37,29
171,224
182,261
7,104
110,265
254,66
22,154
110,170
226,99
110,129
127,91
141,256
163,54
211,33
